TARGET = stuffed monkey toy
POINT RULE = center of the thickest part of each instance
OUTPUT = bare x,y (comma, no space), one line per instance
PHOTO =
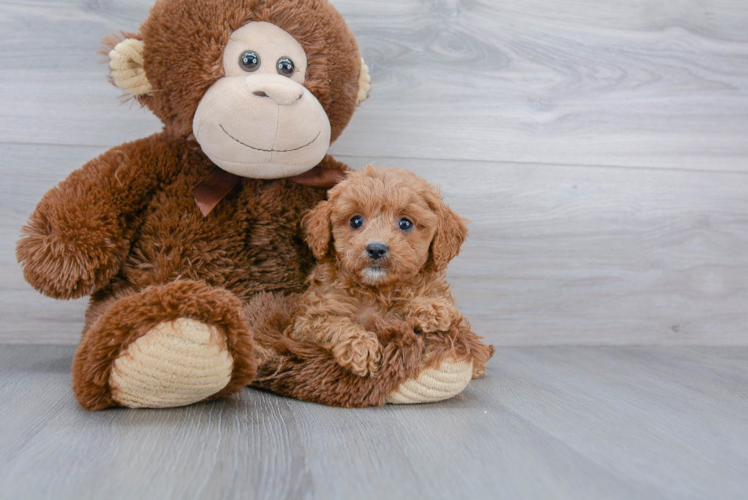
190,241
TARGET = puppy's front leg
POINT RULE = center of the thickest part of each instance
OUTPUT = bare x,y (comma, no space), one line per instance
352,346
429,315
360,352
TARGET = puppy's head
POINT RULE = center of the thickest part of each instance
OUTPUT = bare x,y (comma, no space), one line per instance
385,225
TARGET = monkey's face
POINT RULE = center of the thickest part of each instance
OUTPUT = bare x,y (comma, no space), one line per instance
264,87
259,120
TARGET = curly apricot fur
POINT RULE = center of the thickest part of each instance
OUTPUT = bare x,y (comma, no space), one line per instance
346,300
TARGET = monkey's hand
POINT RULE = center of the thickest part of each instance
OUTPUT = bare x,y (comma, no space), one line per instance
361,353
78,236
430,315
68,250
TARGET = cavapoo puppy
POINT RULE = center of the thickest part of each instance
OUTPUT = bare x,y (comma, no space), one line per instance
383,240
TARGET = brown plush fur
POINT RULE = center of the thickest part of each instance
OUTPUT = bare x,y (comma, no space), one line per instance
351,293
125,227
357,338
124,318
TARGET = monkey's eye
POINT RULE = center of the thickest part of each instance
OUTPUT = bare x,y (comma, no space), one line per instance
356,222
285,66
405,224
249,60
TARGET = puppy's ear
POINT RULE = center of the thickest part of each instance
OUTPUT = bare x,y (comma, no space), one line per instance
317,226
451,233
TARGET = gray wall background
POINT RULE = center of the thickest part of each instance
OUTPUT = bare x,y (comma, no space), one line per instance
600,149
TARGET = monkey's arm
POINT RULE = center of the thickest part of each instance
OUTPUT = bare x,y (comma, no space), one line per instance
78,235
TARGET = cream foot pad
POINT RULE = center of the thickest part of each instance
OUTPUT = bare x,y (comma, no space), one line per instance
434,384
175,364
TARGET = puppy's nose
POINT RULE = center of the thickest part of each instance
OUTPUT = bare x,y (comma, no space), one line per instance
376,250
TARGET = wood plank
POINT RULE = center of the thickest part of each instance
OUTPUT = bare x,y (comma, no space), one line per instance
576,255
562,423
29,171
677,406
643,84
53,86
557,255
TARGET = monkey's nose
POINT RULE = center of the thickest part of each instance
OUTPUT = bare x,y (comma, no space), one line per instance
283,93
376,250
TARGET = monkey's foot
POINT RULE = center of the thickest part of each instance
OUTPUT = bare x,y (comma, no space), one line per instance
176,363
434,384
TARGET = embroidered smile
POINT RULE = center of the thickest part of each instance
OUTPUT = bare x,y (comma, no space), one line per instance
269,150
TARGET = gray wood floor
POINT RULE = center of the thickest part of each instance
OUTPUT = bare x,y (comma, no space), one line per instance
546,422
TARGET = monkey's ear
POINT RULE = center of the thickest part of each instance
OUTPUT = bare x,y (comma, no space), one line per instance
126,67
364,83
318,233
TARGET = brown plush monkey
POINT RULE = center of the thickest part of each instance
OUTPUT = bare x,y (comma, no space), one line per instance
177,236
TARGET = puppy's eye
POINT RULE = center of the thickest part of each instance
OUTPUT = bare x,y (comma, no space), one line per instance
285,66
249,60
356,222
405,224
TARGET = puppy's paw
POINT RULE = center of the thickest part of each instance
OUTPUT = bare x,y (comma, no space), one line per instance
431,317
361,354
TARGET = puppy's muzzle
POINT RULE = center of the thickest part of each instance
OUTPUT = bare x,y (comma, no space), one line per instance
376,251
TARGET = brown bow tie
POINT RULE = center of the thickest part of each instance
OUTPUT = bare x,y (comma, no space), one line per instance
218,183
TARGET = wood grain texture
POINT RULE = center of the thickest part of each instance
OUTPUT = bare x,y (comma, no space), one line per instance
556,255
599,150
576,423
28,172
575,255
536,116
651,83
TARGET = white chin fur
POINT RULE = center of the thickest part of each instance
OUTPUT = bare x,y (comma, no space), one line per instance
372,276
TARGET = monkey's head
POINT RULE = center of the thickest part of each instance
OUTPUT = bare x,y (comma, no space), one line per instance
264,86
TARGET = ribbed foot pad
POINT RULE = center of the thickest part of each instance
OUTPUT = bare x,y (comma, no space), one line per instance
175,364
434,384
